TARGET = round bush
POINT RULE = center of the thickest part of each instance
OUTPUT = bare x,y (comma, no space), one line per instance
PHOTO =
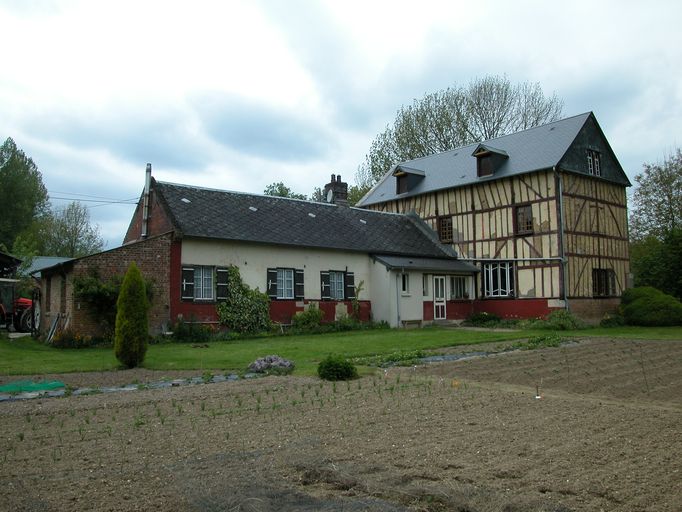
336,368
632,294
652,308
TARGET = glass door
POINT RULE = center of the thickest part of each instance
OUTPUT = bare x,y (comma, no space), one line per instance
439,312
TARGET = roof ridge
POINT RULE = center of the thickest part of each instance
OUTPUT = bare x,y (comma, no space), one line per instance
254,194
460,148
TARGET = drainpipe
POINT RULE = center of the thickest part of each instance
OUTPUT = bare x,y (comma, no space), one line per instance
145,201
397,296
564,266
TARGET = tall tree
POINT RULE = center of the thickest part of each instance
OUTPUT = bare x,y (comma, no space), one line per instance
23,195
72,234
279,189
67,232
656,226
487,108
657,200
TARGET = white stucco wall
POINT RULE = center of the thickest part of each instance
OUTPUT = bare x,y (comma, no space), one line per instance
253,260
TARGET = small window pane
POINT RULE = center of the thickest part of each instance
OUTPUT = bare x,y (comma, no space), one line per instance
203,283
445,229
524,219
458,287
285,283
405,283
498,279
336,285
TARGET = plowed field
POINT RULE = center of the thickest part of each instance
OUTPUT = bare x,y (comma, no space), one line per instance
605,434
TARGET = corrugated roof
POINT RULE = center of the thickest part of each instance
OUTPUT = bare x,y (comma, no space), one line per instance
530,150
41,262
225,215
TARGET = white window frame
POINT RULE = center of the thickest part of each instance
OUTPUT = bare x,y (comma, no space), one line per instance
337,285
459,287
503,272
285,283
593,162
425,284
204,283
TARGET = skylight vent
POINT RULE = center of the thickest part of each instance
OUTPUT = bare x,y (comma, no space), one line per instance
253,208
185,200
312,215
363,221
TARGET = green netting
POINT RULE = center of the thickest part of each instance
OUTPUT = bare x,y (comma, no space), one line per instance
23,386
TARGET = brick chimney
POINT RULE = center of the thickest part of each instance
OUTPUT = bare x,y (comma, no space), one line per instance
336,191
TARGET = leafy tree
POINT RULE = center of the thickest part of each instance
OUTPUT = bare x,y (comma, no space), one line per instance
657,200
72,235
656,226
488,107
132,327
281,190
66,233
23,195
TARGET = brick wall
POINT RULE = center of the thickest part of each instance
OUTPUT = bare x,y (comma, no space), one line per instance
158,221
593,310
152,256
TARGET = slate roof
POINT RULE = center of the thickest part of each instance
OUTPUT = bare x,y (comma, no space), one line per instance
530,150
436,265
224,215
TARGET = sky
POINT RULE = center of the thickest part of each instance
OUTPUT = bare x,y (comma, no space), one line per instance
237,95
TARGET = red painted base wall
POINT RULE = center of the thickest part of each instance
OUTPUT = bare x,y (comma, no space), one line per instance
504,308
514,308
282,311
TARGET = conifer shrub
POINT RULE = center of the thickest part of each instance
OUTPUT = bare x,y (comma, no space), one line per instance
649,306
336,368
132,327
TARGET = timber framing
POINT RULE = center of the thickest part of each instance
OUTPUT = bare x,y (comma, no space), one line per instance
579,220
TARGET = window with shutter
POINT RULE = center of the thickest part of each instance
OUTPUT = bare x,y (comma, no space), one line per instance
221,283
187,290
350,286
325,292
336,285
298,284
272,283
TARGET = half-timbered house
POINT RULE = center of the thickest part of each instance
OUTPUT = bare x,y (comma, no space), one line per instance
541,212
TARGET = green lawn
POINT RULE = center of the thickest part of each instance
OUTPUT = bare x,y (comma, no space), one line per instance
27,356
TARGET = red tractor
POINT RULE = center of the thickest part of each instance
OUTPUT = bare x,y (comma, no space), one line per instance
15,311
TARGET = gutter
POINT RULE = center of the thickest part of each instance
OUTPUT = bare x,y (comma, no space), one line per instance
564,266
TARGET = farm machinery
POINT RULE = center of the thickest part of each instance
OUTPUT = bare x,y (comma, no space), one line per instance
15,311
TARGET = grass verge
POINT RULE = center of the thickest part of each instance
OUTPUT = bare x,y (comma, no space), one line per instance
25,356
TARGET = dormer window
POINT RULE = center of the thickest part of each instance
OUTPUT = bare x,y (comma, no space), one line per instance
484,165
401,184
593,162
488,160
406,178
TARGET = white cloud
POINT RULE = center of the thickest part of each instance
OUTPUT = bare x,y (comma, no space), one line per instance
240,94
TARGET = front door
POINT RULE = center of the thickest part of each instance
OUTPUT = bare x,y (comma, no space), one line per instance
439,297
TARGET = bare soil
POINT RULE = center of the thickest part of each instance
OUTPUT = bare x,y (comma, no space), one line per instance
606,434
